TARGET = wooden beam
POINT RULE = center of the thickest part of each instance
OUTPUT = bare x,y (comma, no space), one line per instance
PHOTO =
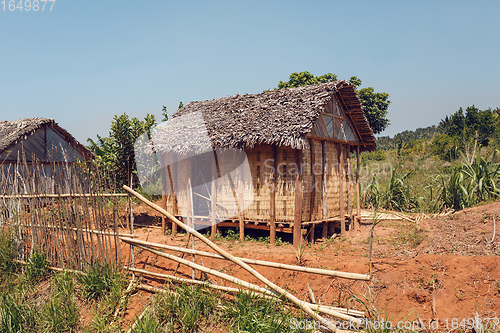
213,208
164,178
174,196
341,189
324,232
297,221
272,193
319,137
358,190
312,202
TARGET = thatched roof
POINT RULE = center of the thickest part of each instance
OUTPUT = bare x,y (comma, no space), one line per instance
281,117
12,132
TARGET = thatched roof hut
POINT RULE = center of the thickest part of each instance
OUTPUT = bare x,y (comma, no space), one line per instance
316,127
37,152
37,138
279,117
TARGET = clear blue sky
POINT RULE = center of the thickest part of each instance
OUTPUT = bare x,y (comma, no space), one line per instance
86,61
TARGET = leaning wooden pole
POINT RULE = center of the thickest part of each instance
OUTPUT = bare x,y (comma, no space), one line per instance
229,256
240,282
258,291
319,271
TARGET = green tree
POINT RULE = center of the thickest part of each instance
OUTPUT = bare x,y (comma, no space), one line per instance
465,131
374,104
116,152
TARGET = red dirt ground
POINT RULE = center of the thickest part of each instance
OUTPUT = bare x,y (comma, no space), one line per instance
454,270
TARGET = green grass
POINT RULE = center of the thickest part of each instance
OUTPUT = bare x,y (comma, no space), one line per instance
37,267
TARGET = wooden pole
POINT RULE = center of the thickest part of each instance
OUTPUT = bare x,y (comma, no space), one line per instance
312,270
132,232
358,190
241,283
341,190
262,292
324,232
312,202
272,199
164,178
213,208
229,256
174,198
297,222
348,173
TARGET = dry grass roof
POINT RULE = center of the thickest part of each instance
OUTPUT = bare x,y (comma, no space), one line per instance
281,117
12,132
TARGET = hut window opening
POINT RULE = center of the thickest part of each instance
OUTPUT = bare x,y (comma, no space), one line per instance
257,189
258,155
285,154
257,173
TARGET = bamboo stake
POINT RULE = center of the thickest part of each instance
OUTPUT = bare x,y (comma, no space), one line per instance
239,282
245,266
319,271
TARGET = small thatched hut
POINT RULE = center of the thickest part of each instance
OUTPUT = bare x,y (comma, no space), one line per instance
40,142
315,127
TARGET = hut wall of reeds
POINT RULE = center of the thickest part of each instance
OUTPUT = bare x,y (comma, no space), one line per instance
39,141
298,144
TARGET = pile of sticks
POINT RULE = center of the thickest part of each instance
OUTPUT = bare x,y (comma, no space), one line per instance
270,289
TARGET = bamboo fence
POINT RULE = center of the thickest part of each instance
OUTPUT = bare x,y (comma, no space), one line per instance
68,211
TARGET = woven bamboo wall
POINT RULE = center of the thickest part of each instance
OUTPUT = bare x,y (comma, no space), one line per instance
324,179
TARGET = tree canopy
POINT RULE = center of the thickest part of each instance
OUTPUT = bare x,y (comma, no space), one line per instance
116,152
464,131
374,104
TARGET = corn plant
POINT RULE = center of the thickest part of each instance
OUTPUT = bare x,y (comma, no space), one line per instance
397,195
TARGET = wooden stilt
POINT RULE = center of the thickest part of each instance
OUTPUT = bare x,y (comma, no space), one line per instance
341,190
272,202
358,190
324,232
174,197
297,222
164,177
213,208
312,203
